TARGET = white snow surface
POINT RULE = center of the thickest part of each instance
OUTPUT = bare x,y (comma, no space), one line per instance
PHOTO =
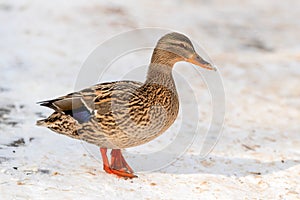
254,43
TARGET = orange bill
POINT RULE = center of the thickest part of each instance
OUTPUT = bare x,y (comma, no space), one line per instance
197,60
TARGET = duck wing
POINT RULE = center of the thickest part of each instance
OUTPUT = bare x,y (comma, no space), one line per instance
81,105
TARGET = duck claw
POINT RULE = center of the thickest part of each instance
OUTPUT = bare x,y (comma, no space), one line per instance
123,174
119,173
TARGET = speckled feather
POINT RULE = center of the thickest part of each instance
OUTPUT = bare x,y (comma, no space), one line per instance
123,114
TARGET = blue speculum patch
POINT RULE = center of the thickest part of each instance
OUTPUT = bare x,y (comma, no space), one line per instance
82,115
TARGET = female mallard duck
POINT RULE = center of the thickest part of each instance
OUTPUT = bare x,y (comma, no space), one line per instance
124,114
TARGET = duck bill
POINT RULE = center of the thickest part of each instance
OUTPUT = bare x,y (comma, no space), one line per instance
197,60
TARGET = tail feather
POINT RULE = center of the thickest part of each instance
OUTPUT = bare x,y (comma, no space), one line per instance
61,123
41,122
48,104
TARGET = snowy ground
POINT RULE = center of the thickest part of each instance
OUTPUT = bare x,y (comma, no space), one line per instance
254,43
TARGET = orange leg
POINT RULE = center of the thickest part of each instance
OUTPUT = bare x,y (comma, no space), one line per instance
118,165
118,162
105,160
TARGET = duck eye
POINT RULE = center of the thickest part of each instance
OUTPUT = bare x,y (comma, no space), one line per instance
182,45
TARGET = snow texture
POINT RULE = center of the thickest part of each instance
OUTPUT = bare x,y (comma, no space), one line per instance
254,43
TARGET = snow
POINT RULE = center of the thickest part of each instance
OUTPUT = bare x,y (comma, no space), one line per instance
255,46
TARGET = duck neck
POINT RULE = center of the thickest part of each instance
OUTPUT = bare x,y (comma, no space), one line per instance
160,69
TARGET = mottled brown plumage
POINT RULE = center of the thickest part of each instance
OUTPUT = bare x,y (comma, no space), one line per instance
124,114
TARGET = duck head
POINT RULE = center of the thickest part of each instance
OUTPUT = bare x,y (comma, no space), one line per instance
175,47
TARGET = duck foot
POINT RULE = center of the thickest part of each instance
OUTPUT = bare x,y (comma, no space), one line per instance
118,164
119,173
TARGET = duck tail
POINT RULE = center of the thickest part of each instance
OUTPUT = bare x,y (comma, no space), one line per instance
48,104
41,122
